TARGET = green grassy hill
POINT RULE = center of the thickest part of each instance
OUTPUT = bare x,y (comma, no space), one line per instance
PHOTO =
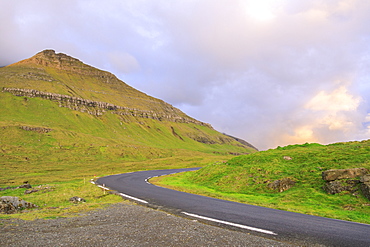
248,179
64,121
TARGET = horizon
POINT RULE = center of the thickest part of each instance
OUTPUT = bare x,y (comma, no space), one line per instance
273,73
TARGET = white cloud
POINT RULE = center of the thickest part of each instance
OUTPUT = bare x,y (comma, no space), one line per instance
270,72
338,100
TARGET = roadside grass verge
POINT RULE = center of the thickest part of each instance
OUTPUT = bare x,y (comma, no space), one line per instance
244,179
58,182
53,200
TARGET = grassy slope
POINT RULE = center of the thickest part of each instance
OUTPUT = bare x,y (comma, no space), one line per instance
82,146
244,179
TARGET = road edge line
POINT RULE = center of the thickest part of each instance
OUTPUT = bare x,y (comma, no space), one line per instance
231,224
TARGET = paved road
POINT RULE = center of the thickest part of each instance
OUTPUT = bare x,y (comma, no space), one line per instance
275,224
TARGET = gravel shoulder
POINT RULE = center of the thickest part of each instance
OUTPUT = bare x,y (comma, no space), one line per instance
123,224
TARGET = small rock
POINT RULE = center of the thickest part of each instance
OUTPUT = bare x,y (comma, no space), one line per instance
281,185
30,191
76,199
287,158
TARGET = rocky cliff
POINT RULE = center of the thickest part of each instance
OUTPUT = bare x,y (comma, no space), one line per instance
99,108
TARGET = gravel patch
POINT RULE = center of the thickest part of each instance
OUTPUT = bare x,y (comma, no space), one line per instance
123,224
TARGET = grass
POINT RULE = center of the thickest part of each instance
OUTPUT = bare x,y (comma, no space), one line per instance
245,178
53,200
81,146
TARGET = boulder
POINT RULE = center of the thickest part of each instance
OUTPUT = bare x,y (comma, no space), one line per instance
281,185
11,204
335,174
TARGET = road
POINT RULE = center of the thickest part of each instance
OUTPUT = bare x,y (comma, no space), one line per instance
294,228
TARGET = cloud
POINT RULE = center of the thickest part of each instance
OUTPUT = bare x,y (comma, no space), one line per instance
271,72
122,62
336,101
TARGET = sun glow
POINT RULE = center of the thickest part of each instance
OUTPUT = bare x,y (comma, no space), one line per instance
261,10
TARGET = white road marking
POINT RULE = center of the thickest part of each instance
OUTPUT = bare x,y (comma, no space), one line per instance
133,198
231,224
124,195
103,187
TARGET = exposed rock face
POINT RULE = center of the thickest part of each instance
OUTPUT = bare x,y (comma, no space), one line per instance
49,58
11,204
365,185
281,185
334,187
339,180
36,129
365,188
335,174
98,108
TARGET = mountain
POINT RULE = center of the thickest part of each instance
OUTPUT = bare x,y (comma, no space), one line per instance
59,115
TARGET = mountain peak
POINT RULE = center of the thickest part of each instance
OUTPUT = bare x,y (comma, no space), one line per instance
50,58
52,55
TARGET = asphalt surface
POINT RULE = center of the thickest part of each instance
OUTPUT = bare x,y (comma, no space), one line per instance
294,228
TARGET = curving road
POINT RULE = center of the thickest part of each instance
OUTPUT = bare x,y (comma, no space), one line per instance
280,225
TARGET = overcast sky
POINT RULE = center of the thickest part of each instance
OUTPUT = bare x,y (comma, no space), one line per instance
273,72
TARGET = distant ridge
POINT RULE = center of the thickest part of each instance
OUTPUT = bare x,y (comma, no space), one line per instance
242,141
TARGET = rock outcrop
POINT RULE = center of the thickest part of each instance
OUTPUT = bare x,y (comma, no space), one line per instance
335,174
365,185
49,58
99,108
36,129
337,186
351,180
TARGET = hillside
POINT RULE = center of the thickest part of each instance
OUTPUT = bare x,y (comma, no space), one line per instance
51,102
62,121
293,178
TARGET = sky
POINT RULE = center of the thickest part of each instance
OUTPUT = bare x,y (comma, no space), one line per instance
272,72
